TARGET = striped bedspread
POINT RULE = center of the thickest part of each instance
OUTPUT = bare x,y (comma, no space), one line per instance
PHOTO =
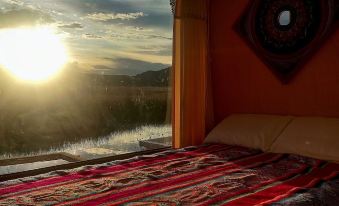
205,175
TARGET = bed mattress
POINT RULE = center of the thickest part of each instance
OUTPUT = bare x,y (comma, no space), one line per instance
213,174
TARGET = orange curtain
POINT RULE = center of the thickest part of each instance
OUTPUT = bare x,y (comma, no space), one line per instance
192,111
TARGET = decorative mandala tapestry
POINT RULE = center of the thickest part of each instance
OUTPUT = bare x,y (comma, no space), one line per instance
285,33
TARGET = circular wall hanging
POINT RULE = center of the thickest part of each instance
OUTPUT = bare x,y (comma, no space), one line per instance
285,33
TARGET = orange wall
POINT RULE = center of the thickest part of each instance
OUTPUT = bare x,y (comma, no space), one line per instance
243,84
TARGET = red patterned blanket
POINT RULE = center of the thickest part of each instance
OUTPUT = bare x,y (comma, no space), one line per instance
205,175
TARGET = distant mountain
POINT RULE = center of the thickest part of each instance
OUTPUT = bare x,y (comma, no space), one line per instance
159,78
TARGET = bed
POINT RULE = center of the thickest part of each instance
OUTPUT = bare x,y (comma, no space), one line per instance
210,174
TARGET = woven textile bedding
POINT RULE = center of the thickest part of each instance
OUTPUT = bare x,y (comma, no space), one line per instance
206,175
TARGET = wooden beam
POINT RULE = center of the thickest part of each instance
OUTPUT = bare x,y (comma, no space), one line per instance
40,158
77,164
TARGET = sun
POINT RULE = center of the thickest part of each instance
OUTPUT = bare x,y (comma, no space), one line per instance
32,54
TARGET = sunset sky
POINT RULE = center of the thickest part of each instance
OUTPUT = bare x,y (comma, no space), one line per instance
103,36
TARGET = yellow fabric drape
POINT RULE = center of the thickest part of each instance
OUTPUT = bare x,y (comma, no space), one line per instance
190,62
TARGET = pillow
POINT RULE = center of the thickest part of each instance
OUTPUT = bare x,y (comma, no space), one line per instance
249,130
310,136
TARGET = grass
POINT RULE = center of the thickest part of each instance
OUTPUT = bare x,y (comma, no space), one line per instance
37,122
78,115
115,143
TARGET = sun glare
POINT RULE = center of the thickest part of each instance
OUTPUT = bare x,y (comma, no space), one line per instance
32,54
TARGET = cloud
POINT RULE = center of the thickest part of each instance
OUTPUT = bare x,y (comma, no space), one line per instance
14,2
160,50
91,36
23,17
126,66
155,20
109,6
148,21
138,36
155,36
71,26
115,16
